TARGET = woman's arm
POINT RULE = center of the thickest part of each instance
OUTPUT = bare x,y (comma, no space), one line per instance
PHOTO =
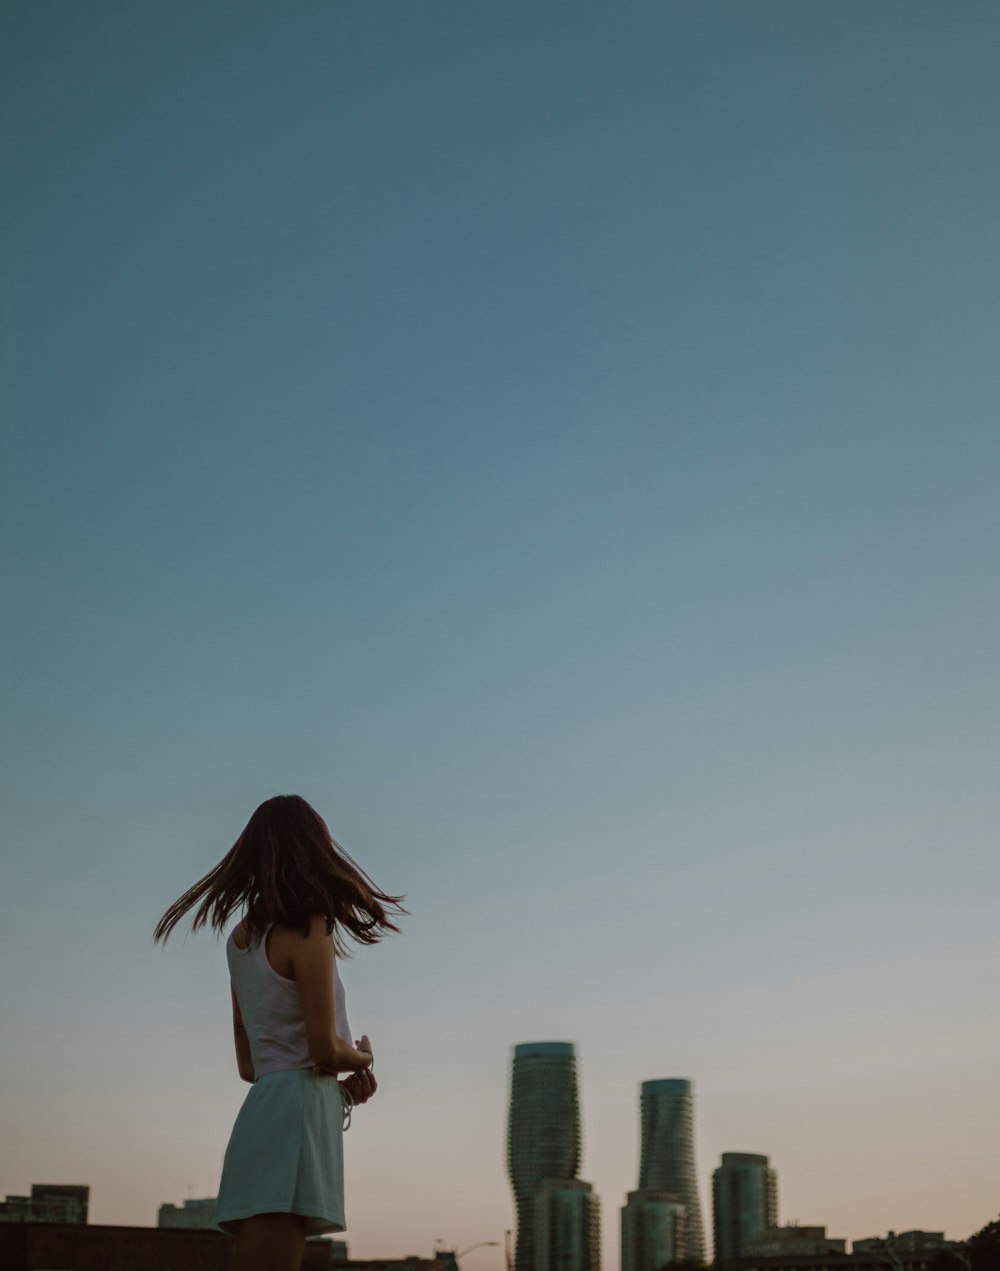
244,1060
312,959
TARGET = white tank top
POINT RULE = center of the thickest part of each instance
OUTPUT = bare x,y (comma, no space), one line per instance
272,1013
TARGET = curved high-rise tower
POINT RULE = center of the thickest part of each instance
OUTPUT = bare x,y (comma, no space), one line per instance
667,1158
543,1131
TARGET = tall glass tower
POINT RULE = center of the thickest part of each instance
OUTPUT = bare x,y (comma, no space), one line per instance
667,1159
744,1202
543,1132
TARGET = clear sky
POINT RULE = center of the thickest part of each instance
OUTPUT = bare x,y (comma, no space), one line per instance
560,441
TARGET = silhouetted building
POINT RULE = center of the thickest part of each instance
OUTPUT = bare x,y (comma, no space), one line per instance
48,1202
193,1215
71,1247
543,1131
744,1202
567,1226
836,1260
666,1162
792,1241
903,1242
652,1230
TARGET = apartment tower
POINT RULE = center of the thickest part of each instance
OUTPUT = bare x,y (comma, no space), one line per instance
567,1226
666,1162
543,1135
744,1202
652,1231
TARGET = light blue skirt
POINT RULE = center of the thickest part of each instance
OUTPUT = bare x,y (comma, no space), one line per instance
286,1152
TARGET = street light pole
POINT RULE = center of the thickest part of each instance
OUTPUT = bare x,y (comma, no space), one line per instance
480,1244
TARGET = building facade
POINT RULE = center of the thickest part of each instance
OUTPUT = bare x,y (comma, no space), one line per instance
543,1131
744,1202
48,1202
667,1157
652,1230
567,1226
193,1215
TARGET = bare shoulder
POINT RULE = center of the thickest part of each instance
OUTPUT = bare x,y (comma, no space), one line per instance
240,937
310,955
316,938
318,930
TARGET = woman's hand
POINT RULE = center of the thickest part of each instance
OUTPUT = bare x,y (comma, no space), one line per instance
360,1085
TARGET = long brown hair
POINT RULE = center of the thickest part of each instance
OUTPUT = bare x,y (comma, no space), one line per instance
285,867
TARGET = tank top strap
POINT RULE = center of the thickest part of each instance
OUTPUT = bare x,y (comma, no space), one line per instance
261,950
253,943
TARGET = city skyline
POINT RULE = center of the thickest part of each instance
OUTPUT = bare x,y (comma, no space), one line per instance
559,441
544,1149
561,1211
35,1242
565,1211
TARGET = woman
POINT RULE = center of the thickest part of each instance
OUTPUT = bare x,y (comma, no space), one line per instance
300,893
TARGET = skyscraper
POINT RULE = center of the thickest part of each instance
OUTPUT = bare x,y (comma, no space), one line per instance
652,1231
567,1227
543,1131
666,1162
744,1202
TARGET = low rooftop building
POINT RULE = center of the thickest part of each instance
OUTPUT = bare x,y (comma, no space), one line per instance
48,1202
903,1242
776,1242
198,1215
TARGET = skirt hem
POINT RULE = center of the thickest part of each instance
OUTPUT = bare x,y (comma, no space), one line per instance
317,1224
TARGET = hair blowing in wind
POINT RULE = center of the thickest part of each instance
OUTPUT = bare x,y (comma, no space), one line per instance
283,868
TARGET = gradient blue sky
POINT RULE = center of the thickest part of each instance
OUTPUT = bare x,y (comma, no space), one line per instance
560,441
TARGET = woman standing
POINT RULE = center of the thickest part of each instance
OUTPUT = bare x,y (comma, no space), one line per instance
299,892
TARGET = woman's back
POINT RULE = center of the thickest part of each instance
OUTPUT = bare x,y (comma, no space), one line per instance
268,996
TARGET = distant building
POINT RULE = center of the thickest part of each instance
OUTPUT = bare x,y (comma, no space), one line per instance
193,1215
666,1111
904,1242
792,1241
48,1202
652,1230
444,1259
412,1262
744,1202
879,1259
567,1226
543,1131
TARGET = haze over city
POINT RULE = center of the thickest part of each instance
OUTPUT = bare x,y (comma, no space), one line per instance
559,441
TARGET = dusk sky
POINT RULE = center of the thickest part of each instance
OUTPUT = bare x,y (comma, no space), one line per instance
559,440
